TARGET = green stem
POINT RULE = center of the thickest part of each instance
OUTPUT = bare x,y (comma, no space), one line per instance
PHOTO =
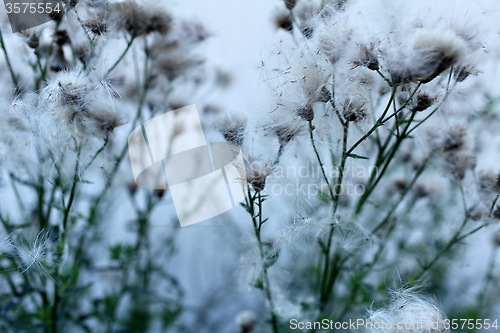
318,157
454,240
9,65
120,58
380,121
387,161
493,205
257,220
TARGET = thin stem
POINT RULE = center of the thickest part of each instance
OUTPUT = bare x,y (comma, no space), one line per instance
120,58
257,220
318,157
9,65
94,157
402,196
389,82
493,205
331,268
377,124
387,161
62,242
343,161
454,240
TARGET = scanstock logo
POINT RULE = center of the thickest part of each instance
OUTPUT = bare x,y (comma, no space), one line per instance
204,179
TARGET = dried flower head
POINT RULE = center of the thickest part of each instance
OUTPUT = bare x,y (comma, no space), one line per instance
246,321
476,212
458,164
139,19
103,120
306,113
81,104
290,4
286,133
496,212
354,111
233,129
257,174
58,62
283,20
325,95
368,57
61,37
463,72
489,182
408,307
97,26
496,238
32,37
432,53
424,101
454,139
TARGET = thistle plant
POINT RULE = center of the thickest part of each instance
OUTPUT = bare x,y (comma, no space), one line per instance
372,116
370,172
78,85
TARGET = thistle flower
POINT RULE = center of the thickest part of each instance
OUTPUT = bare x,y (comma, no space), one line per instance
257,174
432,53
290,4
174,54
489,182
354,111
458,164
496,212
103,120
496,239
140,20
368,57
233,129
476,212
97,26
424,101
81,104
32,37
449,140
286,132
246,321
58,62
61,38
306,113
283,20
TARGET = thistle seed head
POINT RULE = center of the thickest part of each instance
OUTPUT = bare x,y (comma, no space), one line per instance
140,20
290,4
233,130
354,111
306,113
424,101
246,321
283,20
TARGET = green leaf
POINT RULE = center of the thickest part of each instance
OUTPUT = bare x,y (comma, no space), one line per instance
358,156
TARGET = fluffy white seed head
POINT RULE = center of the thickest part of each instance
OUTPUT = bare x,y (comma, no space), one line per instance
246,321
432,53
414,312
